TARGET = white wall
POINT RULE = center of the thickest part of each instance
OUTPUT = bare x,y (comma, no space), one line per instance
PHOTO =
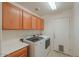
0,24
76,29
8,35
49,26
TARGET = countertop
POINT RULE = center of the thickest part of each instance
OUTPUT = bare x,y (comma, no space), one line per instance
11,46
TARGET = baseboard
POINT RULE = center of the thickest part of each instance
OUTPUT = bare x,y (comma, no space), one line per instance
63,53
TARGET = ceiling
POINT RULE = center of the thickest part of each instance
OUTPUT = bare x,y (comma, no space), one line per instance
43,8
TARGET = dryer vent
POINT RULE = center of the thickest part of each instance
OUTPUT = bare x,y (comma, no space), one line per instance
61,48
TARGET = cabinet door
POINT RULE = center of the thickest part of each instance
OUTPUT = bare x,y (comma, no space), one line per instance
19,53
12,17
27,21
40,24
34,22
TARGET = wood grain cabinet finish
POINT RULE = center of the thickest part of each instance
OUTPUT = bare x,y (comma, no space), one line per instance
12,17
27,21
19,53
34,22
40,24
15,19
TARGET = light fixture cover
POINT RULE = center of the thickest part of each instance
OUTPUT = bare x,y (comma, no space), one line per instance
52,5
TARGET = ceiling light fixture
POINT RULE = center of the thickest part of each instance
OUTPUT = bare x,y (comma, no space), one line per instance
52,5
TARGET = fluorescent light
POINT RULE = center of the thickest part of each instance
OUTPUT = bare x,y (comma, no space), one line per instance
52,5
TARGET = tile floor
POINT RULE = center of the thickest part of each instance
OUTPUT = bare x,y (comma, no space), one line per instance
56,54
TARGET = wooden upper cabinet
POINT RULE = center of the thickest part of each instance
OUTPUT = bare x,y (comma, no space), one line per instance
12,17
37,23
40,24
27,21
34,22
15,18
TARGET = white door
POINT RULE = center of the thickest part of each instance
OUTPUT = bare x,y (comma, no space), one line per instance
61,34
